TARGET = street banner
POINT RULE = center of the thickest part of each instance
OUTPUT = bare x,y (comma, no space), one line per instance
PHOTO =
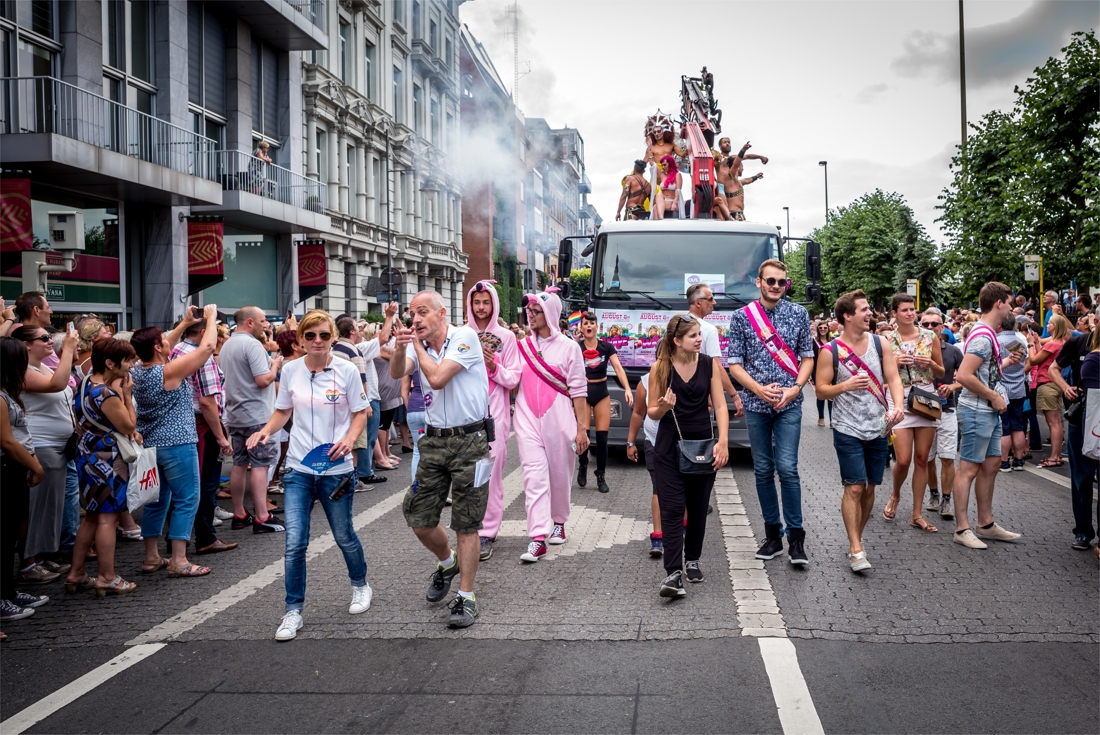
312,269
616,328
205,255
16,231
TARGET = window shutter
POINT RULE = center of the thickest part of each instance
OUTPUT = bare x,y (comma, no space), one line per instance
257,81
194,52
214,51
271,92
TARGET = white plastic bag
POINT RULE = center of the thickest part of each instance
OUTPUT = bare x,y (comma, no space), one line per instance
144,485
1090,447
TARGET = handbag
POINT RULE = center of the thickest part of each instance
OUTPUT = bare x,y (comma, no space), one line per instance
924,404
1075,411
128,450
144,484
694,456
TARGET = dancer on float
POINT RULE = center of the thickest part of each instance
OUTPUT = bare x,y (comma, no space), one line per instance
636,190
502,362
551,421
726,171
670,200
597,354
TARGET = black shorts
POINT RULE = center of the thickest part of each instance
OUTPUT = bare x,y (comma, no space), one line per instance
597,392
385,419
739,216
672,214
638,212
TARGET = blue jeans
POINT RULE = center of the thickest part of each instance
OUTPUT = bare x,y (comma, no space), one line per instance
1082,473
70,521
418,422
302,490
364,458
179,492
774,439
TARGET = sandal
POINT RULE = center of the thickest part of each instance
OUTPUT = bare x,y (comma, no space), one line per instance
224,494
923,525
160,563
119,587
91,555
191,570
1049,462
84,583
133,534
888,514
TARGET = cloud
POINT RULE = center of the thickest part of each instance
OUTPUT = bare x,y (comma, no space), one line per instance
999,52
872,95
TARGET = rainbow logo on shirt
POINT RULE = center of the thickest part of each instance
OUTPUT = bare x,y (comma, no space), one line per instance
332,395
463,349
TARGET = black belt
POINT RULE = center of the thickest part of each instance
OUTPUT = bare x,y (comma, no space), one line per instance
458,430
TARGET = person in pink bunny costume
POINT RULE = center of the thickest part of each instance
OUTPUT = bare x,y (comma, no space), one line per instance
502,361
551,420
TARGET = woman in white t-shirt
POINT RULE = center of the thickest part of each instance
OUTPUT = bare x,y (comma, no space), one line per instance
640,420
326,398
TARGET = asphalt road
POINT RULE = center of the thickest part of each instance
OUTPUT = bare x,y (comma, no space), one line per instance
936,638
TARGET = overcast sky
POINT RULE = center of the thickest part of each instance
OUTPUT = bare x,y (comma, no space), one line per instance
871,87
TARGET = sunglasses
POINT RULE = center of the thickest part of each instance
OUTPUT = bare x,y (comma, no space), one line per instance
930,325
310,336
784,282
689,317
40,338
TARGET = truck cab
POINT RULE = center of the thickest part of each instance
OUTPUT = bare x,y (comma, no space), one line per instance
641,271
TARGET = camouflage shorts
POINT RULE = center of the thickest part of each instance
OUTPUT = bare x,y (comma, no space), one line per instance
447,465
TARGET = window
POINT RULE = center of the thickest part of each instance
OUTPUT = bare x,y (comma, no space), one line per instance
265,90
368,71
37,15
398,96
433,35
435,122
416,21
380,190
449,142
128,53
35,60
206,71
522,192
116,34
349,288
418,104
322,155
399,12
251,272
344,61
449,47
141,39
523,235
349,175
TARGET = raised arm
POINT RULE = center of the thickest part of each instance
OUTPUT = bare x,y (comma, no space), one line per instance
39,383
182,367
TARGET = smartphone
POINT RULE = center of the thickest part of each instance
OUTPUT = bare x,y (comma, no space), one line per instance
1015,347
196,312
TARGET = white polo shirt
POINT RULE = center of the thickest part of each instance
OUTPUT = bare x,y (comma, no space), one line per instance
709,333
465,398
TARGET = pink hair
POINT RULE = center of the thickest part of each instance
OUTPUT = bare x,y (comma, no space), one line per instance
670,165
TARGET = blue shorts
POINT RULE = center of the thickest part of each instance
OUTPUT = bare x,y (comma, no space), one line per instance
979,434
861,462
1013,419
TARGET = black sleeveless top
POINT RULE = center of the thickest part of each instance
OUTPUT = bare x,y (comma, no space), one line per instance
692,409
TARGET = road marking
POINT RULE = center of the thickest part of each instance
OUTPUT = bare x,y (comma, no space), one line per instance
797,713
68,694
1055,478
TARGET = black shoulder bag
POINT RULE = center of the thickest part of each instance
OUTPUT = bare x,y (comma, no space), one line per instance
694,456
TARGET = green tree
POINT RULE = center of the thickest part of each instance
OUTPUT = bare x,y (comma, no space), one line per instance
875,244
795,257
579,279
1026,182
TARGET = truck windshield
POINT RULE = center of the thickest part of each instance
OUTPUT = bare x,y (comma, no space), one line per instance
663,264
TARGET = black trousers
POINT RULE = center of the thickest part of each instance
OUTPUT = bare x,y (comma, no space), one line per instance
210,472
14,499
677,493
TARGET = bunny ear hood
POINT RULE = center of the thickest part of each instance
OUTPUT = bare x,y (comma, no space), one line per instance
494,327
551,306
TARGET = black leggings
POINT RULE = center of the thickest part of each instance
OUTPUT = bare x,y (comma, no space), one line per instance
600,450
675,494
13,511
821,409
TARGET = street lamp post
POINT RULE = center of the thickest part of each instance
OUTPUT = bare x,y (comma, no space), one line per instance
788,211
826,165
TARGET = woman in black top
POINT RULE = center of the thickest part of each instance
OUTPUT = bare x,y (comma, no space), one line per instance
688,383
597,354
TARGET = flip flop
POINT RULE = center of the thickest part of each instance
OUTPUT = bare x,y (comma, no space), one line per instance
927,527
191,570
888,514
155,567
1048,462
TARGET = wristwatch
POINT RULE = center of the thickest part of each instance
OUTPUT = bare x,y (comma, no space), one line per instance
630,444
801,386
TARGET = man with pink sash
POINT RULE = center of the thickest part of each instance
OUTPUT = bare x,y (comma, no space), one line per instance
502,362
771,356
551,421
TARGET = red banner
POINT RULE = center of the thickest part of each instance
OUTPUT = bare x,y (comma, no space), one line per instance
205,255
16,232
312,269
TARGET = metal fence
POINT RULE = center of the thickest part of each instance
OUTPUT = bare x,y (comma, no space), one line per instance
239,171
313,10
48,105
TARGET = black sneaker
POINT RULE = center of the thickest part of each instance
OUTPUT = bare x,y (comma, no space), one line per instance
1081,542
10,611
601,484
26,599
441,581
656,546
241,523
772,548
271,525
796,537
463,612
582,472
694,573
1017,465
372,479
673,586
486,549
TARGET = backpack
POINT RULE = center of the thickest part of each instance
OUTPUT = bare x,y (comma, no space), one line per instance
836,357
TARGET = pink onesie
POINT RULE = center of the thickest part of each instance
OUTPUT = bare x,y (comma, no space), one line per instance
546,426
501,382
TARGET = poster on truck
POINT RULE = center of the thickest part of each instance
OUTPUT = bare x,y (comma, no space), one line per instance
617,329
636,334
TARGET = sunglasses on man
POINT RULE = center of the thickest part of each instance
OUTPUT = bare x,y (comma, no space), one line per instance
784,282
310,336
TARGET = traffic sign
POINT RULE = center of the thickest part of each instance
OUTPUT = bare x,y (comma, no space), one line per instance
911,286
1031,271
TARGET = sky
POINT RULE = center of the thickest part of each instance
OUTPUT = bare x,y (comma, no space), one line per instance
871,87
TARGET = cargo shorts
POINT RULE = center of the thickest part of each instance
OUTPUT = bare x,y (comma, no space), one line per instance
447,466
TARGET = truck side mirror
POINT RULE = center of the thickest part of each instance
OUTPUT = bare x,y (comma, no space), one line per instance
813,261
813,293
565,260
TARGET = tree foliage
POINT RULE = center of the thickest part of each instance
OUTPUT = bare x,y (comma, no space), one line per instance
875,244
579,279
1026,182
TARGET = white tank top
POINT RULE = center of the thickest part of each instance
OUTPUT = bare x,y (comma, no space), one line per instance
49,416
649,426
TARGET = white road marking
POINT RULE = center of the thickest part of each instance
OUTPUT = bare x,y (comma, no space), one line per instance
69,693
797,713
1046,475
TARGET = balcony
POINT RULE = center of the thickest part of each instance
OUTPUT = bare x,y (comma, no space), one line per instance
290,25
584,186
75,138
261,195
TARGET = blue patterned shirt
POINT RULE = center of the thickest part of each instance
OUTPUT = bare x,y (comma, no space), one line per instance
792,322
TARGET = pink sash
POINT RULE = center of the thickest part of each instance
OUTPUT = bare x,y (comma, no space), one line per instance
851,361
770,338
535,371
985,329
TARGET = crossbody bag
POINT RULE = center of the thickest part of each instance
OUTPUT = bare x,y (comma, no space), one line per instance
127,449
693,456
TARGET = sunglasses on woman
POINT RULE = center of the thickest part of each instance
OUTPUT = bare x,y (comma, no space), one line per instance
310,336
930,325
40,338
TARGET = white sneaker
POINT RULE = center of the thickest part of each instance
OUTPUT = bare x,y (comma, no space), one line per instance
217,522
996,533
858,561
360,599
222,515
969,540
288,629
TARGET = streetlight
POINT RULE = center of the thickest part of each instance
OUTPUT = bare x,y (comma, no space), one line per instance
826,165
788,211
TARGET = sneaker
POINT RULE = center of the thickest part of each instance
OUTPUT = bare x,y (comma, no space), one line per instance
947,507
694,573
772,548
486,549
996,533
366,483
1006,467
222,514
463,612
242,523
796,538
52,566
10,611
601,483
535,551
288,629
271,525
360,599
1081,542
557,536
858,561
582,474
25,599
968,539
656,546
933,500
36,575
441,581
217,522
673,586
1017,465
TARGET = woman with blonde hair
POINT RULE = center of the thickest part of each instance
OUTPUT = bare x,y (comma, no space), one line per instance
1048,396
89,331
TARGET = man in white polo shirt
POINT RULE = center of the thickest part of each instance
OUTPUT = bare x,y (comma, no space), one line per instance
701,303
455,384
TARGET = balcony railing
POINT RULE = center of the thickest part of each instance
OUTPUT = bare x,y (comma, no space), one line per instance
48,105
239,171
313,10
585,186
